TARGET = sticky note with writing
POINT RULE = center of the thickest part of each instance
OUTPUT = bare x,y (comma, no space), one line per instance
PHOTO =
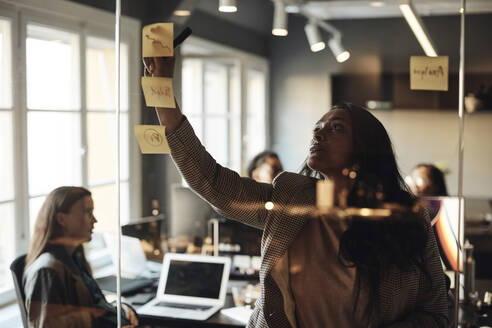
325,194
158,92
157,40
429,73
152,139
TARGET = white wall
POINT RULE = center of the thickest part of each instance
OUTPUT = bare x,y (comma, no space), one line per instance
430,136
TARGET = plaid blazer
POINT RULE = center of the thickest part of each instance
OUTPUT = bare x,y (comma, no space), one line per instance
405,297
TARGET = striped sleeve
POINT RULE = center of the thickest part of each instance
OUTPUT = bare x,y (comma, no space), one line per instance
242,199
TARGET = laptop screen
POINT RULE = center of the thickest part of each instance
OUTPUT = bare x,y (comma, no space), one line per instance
195,279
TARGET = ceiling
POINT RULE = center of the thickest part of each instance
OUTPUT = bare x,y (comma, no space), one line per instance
357,9
256,15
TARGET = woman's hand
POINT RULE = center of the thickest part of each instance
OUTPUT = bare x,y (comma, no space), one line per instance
159,66
164,67
130,315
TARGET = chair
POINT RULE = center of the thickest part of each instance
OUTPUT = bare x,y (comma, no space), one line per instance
17,269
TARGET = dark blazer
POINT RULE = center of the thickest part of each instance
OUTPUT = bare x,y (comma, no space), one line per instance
405,299
57,296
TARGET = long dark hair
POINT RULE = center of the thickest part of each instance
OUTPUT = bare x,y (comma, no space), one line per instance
373,247
47,228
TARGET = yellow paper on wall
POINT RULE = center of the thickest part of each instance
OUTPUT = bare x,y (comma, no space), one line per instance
152,139
157,40
158,92
429,73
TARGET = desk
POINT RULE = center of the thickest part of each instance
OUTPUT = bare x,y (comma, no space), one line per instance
217,320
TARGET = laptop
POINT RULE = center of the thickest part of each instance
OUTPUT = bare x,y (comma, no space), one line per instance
191,287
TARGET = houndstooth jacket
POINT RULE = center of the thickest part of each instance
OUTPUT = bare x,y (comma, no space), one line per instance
405,299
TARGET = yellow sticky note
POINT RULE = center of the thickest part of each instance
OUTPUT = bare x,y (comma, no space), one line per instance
429,73
158,92
157,40
152,139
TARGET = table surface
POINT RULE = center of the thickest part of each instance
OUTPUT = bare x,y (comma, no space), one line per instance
217,320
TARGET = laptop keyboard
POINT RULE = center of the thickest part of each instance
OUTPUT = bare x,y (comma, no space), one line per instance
184,306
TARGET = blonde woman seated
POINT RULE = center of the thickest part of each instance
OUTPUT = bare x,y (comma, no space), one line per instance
58,284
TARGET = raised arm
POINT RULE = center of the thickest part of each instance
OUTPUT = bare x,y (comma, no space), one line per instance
238,198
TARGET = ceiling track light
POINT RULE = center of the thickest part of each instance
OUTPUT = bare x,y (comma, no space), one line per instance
280,17
340,53
418,28
316,43
227,6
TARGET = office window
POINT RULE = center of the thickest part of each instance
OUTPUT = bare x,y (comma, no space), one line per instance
101,139
213,102
7,208
58,124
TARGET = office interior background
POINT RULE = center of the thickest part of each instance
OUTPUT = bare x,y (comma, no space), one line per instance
243,89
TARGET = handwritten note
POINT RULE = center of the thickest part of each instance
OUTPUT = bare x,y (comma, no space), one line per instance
158,92
152,139
429,73
157,40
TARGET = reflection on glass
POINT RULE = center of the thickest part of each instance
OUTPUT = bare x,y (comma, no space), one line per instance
255,123
100,69
216,138
102,147
5,65
6,244
215,89
105,206
53,149
6,156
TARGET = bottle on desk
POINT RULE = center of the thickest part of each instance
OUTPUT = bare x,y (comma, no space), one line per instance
471,294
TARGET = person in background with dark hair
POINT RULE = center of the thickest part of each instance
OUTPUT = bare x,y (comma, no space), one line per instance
58,284
265,166
320,270
428,180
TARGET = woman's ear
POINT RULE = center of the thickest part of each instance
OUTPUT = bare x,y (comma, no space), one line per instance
60,218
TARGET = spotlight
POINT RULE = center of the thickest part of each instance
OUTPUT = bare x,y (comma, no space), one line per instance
279,19
314,37
418,28
182,12
338,50
227,6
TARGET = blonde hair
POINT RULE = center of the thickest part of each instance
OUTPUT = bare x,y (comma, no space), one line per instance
47,227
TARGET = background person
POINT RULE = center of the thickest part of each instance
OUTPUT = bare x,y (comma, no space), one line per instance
58,284
265,166
428,180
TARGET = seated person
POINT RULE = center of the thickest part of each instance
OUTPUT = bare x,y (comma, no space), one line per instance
265,166
428,180
58,284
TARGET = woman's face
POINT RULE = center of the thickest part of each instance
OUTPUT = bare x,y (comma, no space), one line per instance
332,145
78,223
267,171
421,184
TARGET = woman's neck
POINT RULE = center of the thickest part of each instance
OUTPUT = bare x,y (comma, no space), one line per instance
343,185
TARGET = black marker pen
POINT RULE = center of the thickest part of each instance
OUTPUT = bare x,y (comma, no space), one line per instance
181,37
